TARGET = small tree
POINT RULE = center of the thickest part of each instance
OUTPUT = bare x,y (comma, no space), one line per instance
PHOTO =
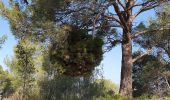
25,67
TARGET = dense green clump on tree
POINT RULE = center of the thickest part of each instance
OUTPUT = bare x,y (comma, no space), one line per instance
76,53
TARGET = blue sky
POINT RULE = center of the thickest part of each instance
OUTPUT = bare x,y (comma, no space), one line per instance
111,62
7,48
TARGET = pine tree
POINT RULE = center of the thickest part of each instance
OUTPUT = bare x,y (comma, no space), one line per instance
25,67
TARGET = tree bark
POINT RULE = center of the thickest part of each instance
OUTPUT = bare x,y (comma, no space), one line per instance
126,70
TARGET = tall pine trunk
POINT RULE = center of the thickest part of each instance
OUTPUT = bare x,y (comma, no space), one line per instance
126,70
127,62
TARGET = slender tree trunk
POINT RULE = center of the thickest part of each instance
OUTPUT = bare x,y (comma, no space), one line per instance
126,70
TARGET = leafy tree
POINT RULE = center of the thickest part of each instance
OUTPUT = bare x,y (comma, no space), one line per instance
6,86
108,87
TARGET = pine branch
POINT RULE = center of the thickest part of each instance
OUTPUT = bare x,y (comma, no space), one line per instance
94,24
150,4
148,31
141,56
120,15
112,17
143,9
121,4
